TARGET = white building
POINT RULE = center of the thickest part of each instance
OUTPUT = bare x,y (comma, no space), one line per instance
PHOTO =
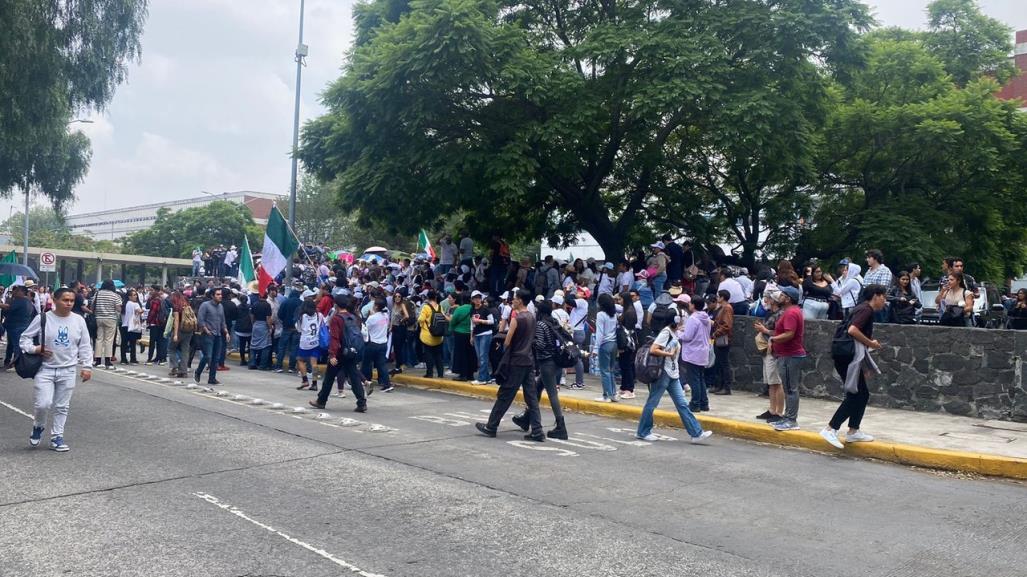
119,222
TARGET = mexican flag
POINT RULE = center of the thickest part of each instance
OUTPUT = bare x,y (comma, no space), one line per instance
424,245
9,280
246,272
279,247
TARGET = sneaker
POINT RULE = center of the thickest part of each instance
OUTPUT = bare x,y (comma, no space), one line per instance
650,437
485,430
389,389
577,386
196,377
57,444
774,419
627,394
341,394
602,399
477,382
37,434
764,415
858,437
701,439
786,424
831,436
369,387
279,371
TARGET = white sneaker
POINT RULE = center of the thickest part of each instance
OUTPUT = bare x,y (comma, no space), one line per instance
831,436
627,395
601,400
701,439
649,437
858,437
477,382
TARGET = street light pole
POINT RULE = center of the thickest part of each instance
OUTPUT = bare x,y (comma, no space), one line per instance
301,53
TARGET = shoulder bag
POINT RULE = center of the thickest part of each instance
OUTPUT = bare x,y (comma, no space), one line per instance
27,365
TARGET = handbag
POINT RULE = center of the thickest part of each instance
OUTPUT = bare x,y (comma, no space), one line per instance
712,359
721,341
27,365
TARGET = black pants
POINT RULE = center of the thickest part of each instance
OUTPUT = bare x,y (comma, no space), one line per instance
128,345
520,378
853,405
464,357
399,344
345,369
244,345
719,377
156,336
549,374
433,358
626,359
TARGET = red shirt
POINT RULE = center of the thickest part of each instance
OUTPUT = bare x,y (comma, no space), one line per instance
791,320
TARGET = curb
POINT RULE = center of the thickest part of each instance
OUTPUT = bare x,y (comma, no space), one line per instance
979,463
912,455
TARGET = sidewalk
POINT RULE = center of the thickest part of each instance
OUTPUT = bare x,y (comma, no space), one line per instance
932,440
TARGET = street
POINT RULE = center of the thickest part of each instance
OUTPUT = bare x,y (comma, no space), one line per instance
164,480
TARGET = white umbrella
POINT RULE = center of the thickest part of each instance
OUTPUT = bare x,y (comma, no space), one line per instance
377,249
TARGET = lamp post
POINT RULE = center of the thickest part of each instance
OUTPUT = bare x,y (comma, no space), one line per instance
25,239
301,53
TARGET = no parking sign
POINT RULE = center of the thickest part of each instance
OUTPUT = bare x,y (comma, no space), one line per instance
47,262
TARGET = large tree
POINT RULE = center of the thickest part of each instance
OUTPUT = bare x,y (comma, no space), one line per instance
58,58
176,234
541,118
49,229
921,168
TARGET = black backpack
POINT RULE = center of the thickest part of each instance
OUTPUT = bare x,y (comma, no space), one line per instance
438,326
664,313
648,367
843,345
567,353
625,339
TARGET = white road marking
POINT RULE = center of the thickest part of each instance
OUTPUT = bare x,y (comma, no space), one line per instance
17,410
632,432
635,443
532,445
585,444
320,552
470,416
441,420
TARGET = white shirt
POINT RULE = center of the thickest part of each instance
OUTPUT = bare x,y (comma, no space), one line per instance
732,286
230,257
746,283
309,327
605,284
625,281
638,314
67,339
378,327
579,313
564,319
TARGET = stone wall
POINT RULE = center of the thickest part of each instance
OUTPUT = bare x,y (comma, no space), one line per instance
969,372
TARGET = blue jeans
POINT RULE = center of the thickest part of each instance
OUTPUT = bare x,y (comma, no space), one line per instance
656,390
447,351
287,343
481,349
374,356
260,358
659,282
607,352
696,376
196,269
210,349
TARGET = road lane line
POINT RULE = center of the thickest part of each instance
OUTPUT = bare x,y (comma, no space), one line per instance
321,552
17,410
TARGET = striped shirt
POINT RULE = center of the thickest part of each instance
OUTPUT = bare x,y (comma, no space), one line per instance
106,304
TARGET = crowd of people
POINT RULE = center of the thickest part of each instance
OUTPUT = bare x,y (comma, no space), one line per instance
490,319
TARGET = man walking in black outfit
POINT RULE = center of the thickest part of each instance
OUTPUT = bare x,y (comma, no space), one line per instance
518,357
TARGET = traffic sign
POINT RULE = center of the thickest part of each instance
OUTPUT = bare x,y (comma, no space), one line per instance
47,262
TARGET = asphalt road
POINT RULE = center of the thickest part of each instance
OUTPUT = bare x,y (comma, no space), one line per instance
162,480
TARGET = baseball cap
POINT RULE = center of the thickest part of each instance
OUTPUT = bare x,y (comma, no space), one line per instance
476,294
683,298
657,244
557,299
792,292
845,261
540,298
308,294
608,265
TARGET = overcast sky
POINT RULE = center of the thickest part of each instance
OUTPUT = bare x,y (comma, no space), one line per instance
209,107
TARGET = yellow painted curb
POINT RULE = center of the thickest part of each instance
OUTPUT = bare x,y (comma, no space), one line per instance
983,464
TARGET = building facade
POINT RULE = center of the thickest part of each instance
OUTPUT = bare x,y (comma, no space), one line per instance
116,223
1017,87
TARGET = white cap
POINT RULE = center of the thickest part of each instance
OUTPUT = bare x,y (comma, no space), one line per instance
505,295
539,298
476,294
557,299
308,294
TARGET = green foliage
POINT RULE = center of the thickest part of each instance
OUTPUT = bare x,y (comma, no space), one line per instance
176,234
968,43
319,219
921,168
540,119
57,58
49,229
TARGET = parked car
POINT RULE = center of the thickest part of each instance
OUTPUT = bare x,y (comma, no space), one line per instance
989,312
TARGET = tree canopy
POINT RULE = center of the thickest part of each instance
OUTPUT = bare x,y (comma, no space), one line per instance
58,58
176,234
49,229
779,127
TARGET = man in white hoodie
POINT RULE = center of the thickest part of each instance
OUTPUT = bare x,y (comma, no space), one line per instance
64,346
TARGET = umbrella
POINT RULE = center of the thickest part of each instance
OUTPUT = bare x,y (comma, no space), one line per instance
117,284
377,249
15,269
367,257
